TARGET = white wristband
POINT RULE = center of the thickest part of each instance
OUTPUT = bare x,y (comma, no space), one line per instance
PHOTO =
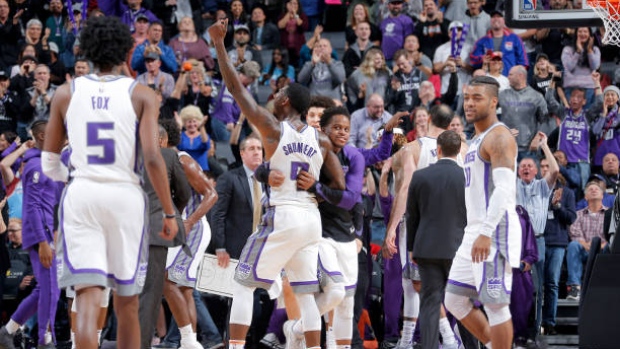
53,167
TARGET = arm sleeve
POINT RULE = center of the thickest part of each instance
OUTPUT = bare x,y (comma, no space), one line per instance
505,181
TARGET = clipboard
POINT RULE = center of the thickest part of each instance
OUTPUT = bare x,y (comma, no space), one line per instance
215,279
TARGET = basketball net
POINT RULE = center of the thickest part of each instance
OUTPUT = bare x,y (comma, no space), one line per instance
610,14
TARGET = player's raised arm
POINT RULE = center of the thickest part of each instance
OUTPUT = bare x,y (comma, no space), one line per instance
147,108
267,124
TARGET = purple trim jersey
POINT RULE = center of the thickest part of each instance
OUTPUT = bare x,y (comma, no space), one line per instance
574,138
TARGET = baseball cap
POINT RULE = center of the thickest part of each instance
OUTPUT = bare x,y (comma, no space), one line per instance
612,88
142,16
242,27
3,75
151,55
455,24
53,47
497,12
496,55
395,1
542,56
250,69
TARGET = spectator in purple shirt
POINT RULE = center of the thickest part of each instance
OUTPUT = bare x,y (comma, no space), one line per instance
38,227
395,29
127,13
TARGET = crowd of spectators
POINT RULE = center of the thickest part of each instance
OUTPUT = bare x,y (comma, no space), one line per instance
399,57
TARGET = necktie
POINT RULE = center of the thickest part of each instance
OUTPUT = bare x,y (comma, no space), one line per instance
256,196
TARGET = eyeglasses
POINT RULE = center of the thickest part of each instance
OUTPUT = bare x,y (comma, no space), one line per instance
13,230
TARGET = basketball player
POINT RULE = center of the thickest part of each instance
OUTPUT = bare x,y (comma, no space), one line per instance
101,235
417,154
290,230
182,268
491,247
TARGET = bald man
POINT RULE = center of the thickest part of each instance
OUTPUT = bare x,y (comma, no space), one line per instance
522,109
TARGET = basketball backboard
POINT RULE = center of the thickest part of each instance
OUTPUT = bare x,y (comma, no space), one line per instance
541,14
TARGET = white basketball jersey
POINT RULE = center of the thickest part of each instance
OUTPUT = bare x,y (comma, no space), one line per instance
428,152
296,151
478,190
102,128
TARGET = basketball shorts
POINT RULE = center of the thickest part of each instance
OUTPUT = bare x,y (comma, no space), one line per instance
183,268
287,238
490,282
338,264
103,240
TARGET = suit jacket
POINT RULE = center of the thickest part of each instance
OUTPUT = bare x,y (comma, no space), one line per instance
436,211
232,214
270,36
181,193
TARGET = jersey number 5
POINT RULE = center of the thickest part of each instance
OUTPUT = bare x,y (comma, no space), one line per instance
94,139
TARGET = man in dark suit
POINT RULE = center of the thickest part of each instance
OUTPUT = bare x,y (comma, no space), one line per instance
150,298
265,35
232,221
435,227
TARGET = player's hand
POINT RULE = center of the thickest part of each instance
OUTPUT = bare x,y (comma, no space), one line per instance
276,178
170,229
223,258
187,225
45,254
305,180
526,266
26,281
481,249
217,31
358,245
389,245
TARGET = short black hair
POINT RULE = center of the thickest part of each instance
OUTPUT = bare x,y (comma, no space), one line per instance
105,41
172,129
329,113
321,102
38,126
441,116
490,84
299,97
450,143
